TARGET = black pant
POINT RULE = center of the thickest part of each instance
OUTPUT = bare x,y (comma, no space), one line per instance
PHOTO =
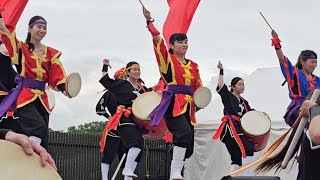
234,149
34,120
130,135
112,148
12,124
181,129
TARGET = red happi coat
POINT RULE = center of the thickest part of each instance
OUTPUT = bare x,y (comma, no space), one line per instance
174,72
46,68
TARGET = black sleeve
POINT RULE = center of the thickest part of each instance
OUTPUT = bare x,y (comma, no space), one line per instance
248,106
101,106
3,133
109,83
61,87
225,95
105,68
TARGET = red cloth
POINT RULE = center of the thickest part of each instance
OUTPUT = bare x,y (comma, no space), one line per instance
179,17
168,138
120,72
224,120
276,42
113,124
11,11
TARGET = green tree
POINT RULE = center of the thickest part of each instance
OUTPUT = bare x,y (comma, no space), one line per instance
95,128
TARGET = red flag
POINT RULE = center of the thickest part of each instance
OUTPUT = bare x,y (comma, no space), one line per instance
179,17
11,11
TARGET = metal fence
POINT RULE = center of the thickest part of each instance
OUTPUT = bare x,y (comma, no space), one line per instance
77,157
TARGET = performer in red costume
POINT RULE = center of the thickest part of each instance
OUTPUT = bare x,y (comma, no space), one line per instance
37,65
177,106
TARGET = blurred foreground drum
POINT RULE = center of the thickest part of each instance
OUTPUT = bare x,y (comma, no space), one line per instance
16,164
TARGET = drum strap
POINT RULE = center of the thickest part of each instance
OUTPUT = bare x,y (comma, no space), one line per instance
113,123
229,119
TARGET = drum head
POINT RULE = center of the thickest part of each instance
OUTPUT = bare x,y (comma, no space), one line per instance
202,97
256,123
73,84
144,104
51,98
16,164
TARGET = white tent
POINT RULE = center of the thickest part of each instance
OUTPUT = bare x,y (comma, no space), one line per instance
264,93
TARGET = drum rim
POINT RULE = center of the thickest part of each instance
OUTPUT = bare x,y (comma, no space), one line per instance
47,91
14,147
134,104
195,92
255,135
155,138
68,79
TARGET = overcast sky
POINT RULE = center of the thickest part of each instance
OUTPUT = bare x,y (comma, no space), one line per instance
230,31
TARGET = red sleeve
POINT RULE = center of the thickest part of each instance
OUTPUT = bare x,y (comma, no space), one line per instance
12,44
162,55
57,74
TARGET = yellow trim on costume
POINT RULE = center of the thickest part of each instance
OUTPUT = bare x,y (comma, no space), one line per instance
39,71
56,60
44,105
188,76
37,92
12,38
3,93
163,65
27,102
188,98
56,56
199,78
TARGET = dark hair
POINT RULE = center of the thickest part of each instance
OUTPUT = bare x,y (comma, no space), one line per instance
130,64
33,20
176,37
304,56
234,81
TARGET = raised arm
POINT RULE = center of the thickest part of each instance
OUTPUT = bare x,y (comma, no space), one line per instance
220,78
159,46
106,81
8,37
276,43
154,32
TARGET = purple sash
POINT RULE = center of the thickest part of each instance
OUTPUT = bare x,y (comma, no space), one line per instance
158,113
293,106
11,99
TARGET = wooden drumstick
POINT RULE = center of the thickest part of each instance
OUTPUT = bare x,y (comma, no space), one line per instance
298,133
118,167
266,21
142,4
